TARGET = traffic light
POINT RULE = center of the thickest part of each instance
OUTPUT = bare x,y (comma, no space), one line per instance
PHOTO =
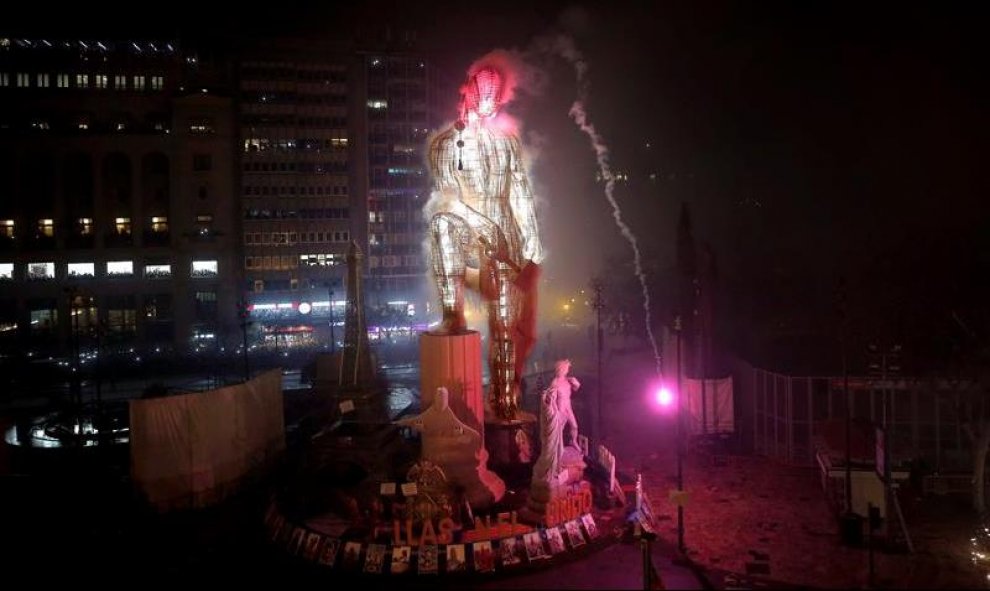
242,310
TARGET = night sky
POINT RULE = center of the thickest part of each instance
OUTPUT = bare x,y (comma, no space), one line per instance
811,140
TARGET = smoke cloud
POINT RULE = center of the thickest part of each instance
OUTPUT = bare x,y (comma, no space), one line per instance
564,47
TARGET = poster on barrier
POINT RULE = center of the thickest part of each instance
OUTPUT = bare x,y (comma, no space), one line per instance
401,556
511,551
328,553
352,555
456,558
427,563
555,540
311,545
374,561
295,542
589,525
484,558
534,546
574,535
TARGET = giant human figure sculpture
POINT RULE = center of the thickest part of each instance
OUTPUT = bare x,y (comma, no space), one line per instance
484,231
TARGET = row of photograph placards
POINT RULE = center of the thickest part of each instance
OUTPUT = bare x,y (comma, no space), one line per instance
354,556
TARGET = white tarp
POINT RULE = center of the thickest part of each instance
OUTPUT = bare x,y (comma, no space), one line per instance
191,450
718,412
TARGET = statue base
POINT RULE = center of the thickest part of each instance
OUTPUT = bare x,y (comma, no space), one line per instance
514,446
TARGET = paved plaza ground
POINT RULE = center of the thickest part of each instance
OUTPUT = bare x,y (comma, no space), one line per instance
749,523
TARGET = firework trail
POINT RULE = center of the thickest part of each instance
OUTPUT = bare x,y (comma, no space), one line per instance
564,47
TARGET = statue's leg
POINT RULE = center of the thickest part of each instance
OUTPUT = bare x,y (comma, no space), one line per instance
502,354
450,235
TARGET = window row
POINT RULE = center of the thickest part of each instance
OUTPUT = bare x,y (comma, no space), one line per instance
294,190
291,238
79,270
122,226
329,167
328,76
306,213
287,262
87,123
102,81
261,144
294,98
390,261
261,120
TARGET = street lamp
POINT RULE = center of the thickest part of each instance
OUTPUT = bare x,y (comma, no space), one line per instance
333,338
599,305
242,314
680,440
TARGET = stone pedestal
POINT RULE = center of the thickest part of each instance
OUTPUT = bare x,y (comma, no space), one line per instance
569,479
514,446
453,361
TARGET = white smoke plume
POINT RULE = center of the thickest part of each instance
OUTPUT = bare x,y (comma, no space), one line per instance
564,47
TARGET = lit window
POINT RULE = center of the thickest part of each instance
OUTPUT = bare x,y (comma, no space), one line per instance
201,126
120,82
62,80
40,124
82,80
6,270
338,142
158,271
122,226
157,82
42,80
7,229
138,82
377,104
46,227
23,80
4,79
82,270
120,268
159,224
85,226
120,126
101,80
41,270
204,268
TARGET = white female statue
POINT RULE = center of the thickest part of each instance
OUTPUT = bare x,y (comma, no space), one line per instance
552,423
566,385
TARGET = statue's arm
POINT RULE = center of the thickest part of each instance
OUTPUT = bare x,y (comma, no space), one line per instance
523,204
443,169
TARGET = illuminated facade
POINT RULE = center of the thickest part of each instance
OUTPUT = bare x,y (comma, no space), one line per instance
484,231
116,195
332,146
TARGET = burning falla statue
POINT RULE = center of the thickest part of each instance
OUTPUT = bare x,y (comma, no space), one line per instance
484,233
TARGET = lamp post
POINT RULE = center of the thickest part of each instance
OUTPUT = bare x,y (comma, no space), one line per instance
680,439
599,305
242,314
333,337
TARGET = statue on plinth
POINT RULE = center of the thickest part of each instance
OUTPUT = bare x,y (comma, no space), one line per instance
558,465
458,450
484,233
565,386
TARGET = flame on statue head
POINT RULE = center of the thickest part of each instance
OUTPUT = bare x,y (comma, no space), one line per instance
481,95
491,84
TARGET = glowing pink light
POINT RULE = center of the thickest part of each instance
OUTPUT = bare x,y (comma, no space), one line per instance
664,396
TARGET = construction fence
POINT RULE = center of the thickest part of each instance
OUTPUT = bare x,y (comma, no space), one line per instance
782,416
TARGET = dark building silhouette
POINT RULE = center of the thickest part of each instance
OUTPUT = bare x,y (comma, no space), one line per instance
117,206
